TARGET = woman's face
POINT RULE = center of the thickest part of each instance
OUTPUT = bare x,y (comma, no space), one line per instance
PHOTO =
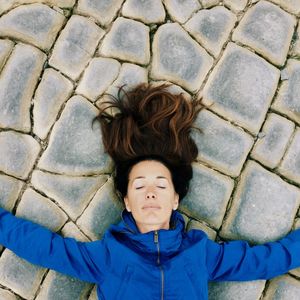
150,195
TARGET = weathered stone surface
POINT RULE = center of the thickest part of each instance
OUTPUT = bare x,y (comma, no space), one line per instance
221,145
72,193
283,288
251,290
193,224
263,208
292,6
268,30
93,295
104,11
71,230
62,287
6,295
9,191
67,153
180,11
178,58
75,46
8,4
53,90
236,5
275,137
295,51
97,77
241,87
19,275
290,166
208,196
17,83
127,40
211,28
209,3
130,75
145,11
5,49
104,209
18,153
35,24
41,210
287,100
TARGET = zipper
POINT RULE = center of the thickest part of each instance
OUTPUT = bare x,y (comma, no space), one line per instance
158,263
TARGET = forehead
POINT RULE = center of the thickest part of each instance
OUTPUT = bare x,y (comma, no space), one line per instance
149,168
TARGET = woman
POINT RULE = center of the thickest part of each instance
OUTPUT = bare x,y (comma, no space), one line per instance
148,255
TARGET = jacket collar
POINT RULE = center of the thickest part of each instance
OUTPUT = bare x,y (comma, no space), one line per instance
169,240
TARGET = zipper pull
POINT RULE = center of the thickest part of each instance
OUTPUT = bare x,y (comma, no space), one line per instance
155,237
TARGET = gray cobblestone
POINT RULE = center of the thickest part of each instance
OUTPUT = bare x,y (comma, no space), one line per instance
35,24
6,295
93,295
193,224
104,11
181,11
53,90
236,290
145,11
295,51
292,6
287,100
66,154
211,28
283,288
221,145
18,153
17,83
127,40
208,196
41,210
250,86
5,49
263,207
9,191
98,76
71,230
276,134
58,286
178,58
20,276
236,5
72,193
209,3
104,209
268,30
75,46
290,166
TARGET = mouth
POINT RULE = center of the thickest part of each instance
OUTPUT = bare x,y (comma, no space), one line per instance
151,207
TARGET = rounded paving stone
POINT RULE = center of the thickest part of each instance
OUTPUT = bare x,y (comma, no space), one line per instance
17,84
35,24
211,28
208,196
66,153
268,30
127,40
98,76
145,11
287,100
263,207
178,58
53,90
6,295
241,87
292,6
18,153
103,11
5,49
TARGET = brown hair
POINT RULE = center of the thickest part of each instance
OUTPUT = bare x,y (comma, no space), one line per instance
150,123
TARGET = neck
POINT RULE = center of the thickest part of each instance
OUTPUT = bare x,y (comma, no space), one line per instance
144,228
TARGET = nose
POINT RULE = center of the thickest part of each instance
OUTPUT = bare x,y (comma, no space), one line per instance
150,195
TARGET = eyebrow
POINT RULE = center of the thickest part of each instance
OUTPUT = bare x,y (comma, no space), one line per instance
145,177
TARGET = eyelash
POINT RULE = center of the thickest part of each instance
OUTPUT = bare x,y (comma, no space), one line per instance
162,187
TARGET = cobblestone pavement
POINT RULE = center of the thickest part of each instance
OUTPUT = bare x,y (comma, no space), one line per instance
58,58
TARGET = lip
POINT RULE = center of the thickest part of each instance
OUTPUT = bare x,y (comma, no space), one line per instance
151,207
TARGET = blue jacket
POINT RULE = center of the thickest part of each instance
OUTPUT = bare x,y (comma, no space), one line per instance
164,264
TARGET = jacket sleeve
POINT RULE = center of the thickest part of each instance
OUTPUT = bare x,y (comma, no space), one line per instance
85,260
238,261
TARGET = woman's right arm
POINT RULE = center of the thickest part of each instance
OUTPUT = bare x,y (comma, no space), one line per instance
85,260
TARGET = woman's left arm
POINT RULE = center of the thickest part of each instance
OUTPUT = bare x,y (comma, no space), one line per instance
237,260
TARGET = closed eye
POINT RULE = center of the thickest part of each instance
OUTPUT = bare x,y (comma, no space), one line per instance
162,187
